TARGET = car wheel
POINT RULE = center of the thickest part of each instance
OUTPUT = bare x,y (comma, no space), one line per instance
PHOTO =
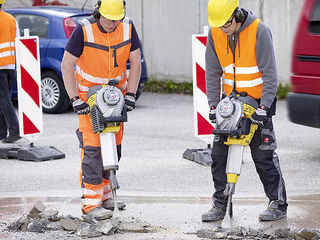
54,96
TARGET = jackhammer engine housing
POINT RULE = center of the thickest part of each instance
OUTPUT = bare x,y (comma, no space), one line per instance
107,108
233,115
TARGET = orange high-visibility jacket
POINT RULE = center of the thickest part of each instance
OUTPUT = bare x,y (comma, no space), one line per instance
8,31
240,69
104,56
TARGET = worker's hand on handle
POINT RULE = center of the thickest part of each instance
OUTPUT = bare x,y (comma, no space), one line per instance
212,114
79,106
260,116
130,101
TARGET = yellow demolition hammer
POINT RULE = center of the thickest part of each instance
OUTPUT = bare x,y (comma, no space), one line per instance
233,122
107,112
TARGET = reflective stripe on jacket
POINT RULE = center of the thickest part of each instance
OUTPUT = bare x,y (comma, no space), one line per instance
7,39
104,56
241,68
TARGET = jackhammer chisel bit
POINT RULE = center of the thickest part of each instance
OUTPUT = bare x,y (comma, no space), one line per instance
114,186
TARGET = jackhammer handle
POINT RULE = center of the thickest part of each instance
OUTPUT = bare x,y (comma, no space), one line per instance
113,82
226,132
122,118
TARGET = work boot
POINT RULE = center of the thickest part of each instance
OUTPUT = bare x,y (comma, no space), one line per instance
109,204
98,213
11,139
214,214
272,212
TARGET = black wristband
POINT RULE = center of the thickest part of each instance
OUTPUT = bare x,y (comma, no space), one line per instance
73,99
264,108
131,94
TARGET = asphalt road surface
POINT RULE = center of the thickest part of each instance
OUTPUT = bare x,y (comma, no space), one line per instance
158,185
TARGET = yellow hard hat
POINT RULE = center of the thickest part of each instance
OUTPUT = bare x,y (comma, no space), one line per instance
2,1
112,9
219,11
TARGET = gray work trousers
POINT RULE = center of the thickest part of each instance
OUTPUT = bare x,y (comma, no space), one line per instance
266,162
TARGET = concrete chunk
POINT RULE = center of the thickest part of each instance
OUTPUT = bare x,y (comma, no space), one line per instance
107,227
308,234
50,214
70,224
16,225
282,233
38,225
54,226
37,208
89,231
211,234
136,227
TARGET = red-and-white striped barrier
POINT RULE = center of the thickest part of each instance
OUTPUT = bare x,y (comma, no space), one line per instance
29,86
202,125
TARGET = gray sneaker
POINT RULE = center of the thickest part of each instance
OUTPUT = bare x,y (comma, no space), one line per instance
214,214
11,139
272,212
98,213
109,204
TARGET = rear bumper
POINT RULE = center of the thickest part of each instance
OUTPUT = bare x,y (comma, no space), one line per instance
304,109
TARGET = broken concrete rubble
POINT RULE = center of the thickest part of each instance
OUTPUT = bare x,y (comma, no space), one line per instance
267,233
40,220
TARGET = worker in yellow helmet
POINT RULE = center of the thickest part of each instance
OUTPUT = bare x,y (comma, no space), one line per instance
100,47
240,49
112,9
9,125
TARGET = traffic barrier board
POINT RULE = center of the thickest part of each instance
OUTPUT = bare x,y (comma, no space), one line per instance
202,124
29,87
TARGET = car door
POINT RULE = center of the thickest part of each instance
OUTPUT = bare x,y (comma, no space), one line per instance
306,50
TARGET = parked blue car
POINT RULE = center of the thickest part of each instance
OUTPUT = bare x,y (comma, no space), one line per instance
54,26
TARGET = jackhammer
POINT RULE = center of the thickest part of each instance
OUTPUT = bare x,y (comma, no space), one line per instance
233,122
107,112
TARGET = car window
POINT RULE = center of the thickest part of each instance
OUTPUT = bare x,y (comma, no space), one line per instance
78,19
314,26
38,25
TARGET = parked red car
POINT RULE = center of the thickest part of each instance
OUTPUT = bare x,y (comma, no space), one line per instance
304,100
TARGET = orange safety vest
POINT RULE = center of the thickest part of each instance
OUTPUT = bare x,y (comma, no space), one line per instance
104,56
242,69
8,31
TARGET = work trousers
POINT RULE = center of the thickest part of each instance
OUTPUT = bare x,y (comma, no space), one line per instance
94,180
266,162
8,118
